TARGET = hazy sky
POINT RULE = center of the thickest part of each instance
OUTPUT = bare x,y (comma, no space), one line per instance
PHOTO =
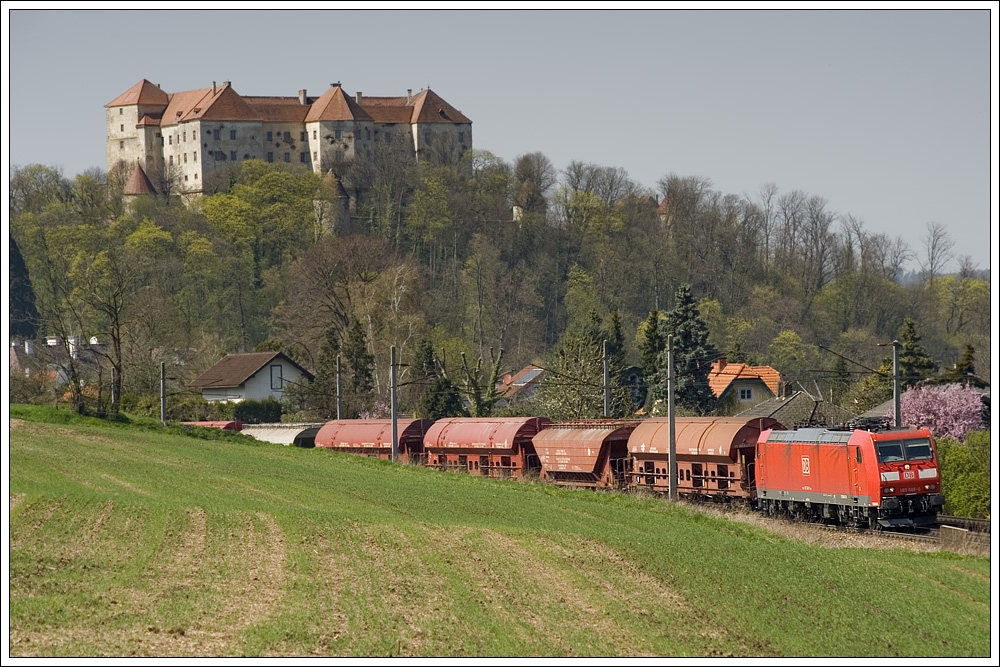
886,114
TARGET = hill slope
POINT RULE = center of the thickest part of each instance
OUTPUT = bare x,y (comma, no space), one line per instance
129,541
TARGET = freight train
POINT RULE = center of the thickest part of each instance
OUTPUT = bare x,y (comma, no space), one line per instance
864,478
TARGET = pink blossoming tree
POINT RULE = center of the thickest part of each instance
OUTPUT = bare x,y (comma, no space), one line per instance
948,411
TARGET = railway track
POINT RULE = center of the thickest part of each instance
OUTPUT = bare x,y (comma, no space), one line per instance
970,524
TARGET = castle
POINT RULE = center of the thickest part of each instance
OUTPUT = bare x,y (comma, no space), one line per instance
183,143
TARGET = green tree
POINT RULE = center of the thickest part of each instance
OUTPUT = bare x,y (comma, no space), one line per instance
966,474
23,313
914,362
693,356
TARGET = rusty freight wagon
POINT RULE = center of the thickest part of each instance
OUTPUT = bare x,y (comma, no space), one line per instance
373,437
491,447
715,456
587,453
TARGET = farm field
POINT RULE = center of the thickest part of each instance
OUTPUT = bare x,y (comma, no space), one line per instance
132,540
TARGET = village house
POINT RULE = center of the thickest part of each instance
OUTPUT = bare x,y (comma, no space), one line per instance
184,142
741,386
254,376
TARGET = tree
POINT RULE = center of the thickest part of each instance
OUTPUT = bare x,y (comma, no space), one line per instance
534,175
966,473
693,356
948,411
937,250
23,313
964,371
914,362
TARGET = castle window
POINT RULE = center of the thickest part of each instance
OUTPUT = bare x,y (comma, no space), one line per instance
170,140
302,136
314,134
270,156
121,144
314,155
368,134
220,156
194,135
461,137
288,157
287,137
185,177
122,127
427,137
121,110
215,135
232,155
336,134
302,157
387,136
269,136
171,163
185,158
194,156
185,137
232,134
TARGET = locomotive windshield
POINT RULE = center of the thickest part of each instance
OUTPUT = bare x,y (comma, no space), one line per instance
916,449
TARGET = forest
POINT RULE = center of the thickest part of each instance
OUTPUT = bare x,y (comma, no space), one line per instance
472,270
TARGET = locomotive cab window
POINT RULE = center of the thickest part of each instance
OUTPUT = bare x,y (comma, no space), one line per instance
889,451
918,449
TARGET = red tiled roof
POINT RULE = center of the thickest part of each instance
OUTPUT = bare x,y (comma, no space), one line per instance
723,374
138,183
278,109
388,109
181,104
334,104
428,107
144,92
225,104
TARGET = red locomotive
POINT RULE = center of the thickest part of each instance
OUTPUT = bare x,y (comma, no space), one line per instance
863,478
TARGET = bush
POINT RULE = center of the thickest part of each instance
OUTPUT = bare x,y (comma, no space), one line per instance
267,411
965,474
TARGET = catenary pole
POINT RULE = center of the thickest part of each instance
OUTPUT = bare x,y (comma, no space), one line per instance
392,402
607,383
671,428
340,397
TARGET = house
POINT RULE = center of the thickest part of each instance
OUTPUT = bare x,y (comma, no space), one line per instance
253,376
186,141
740,386
520,386
50,359
800,409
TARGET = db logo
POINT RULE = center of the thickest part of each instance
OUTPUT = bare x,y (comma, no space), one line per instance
908,474
805,465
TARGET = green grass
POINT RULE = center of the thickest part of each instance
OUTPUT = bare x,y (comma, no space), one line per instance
130,539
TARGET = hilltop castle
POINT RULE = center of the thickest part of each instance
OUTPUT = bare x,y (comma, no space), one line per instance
185,141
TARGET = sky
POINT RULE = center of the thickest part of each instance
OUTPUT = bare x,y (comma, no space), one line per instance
886,114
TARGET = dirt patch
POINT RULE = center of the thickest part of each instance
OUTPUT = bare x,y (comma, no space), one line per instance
35,523
15,500
92,530
16,423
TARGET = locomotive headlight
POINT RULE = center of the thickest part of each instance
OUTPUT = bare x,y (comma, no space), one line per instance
931,487
892,490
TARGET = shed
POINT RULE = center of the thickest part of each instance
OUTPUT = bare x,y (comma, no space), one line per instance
373,437
256,376
714,455
590,453
487,446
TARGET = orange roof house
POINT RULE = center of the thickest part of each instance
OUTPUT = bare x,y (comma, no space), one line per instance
741,386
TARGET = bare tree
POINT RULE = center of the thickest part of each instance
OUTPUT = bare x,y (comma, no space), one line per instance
937,250
534,175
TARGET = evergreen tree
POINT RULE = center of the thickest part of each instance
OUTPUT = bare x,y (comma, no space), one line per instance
360,369
651,343
441,397
914,362
693,356
964,371
23,314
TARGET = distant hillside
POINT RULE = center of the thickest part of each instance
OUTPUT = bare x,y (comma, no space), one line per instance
127,540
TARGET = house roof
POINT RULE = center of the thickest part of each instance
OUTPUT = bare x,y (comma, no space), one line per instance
333,105
235,369
799,408
512,385
144,93
139,184
722,375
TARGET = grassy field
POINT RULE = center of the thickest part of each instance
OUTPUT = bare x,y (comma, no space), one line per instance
128,540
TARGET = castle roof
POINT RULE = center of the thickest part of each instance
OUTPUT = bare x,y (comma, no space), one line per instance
334,104
278,109
139,184
144,93
424,107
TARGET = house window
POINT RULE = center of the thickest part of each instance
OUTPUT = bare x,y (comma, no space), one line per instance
336,134
232,155
270,136
746,394
270,157
287,136
232,134
276,381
